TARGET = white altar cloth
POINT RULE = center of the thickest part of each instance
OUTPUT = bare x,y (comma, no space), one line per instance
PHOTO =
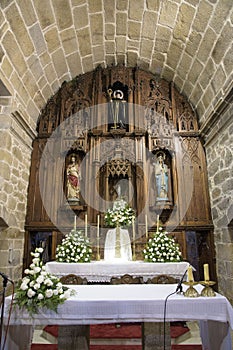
110,245
98,304
102,271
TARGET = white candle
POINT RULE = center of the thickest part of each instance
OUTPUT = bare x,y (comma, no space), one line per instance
98,227
206,272
133,227
157,223
146,226
75,222
190,274
86,225
98,238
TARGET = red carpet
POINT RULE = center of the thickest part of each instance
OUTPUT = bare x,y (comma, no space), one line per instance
124,331
108,331
138,347
92,347
53,330
115,347
44,347
186,347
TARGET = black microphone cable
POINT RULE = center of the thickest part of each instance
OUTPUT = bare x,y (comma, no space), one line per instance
178,290
164,319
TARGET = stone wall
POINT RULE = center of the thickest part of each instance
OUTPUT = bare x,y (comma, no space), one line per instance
219,149
15,155
187,42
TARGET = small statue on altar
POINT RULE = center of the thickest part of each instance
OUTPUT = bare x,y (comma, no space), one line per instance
161,176
73,180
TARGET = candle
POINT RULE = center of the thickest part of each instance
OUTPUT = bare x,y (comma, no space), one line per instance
98,227
133,229
75,222
206,272
146,227
98,238
157,223
190,274
86,225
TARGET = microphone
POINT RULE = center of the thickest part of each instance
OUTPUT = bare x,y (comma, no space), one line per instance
179,288
5,277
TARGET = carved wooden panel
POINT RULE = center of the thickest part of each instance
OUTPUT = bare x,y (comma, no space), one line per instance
158,119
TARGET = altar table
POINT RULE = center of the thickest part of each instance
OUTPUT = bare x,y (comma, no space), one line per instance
102,271
98,304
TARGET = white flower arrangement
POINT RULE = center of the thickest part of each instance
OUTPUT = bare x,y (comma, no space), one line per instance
162,248
39,289
120,215
74,248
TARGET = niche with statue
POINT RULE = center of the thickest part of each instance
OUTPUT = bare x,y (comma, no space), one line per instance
162,178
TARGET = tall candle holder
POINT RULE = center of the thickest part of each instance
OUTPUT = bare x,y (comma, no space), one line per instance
134,238
191,292
134,251
146,224
98,250
98,238
207,291
85,225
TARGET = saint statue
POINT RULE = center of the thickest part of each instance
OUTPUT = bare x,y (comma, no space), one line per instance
117,108
73,179
161,176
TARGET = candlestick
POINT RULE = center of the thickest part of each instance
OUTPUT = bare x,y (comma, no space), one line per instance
98,226
207,291
133,227
134,244
190,274
157,223
206,272
86,225
191,292
75,222
98,237
146,227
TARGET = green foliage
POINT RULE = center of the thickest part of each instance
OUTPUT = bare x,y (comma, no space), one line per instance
39,289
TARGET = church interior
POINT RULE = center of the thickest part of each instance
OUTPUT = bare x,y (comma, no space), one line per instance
117,102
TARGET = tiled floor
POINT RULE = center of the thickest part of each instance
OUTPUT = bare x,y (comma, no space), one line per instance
192,337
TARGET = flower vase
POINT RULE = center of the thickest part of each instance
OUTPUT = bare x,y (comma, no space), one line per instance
118,242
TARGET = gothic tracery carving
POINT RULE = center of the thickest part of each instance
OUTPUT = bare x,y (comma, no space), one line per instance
190,149
118,167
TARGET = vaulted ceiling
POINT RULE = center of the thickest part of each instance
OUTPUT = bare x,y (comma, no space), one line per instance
45,42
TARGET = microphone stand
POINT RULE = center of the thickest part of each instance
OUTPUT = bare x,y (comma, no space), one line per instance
5,280
179,288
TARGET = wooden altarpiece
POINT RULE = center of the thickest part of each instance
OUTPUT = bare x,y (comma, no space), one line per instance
132,135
